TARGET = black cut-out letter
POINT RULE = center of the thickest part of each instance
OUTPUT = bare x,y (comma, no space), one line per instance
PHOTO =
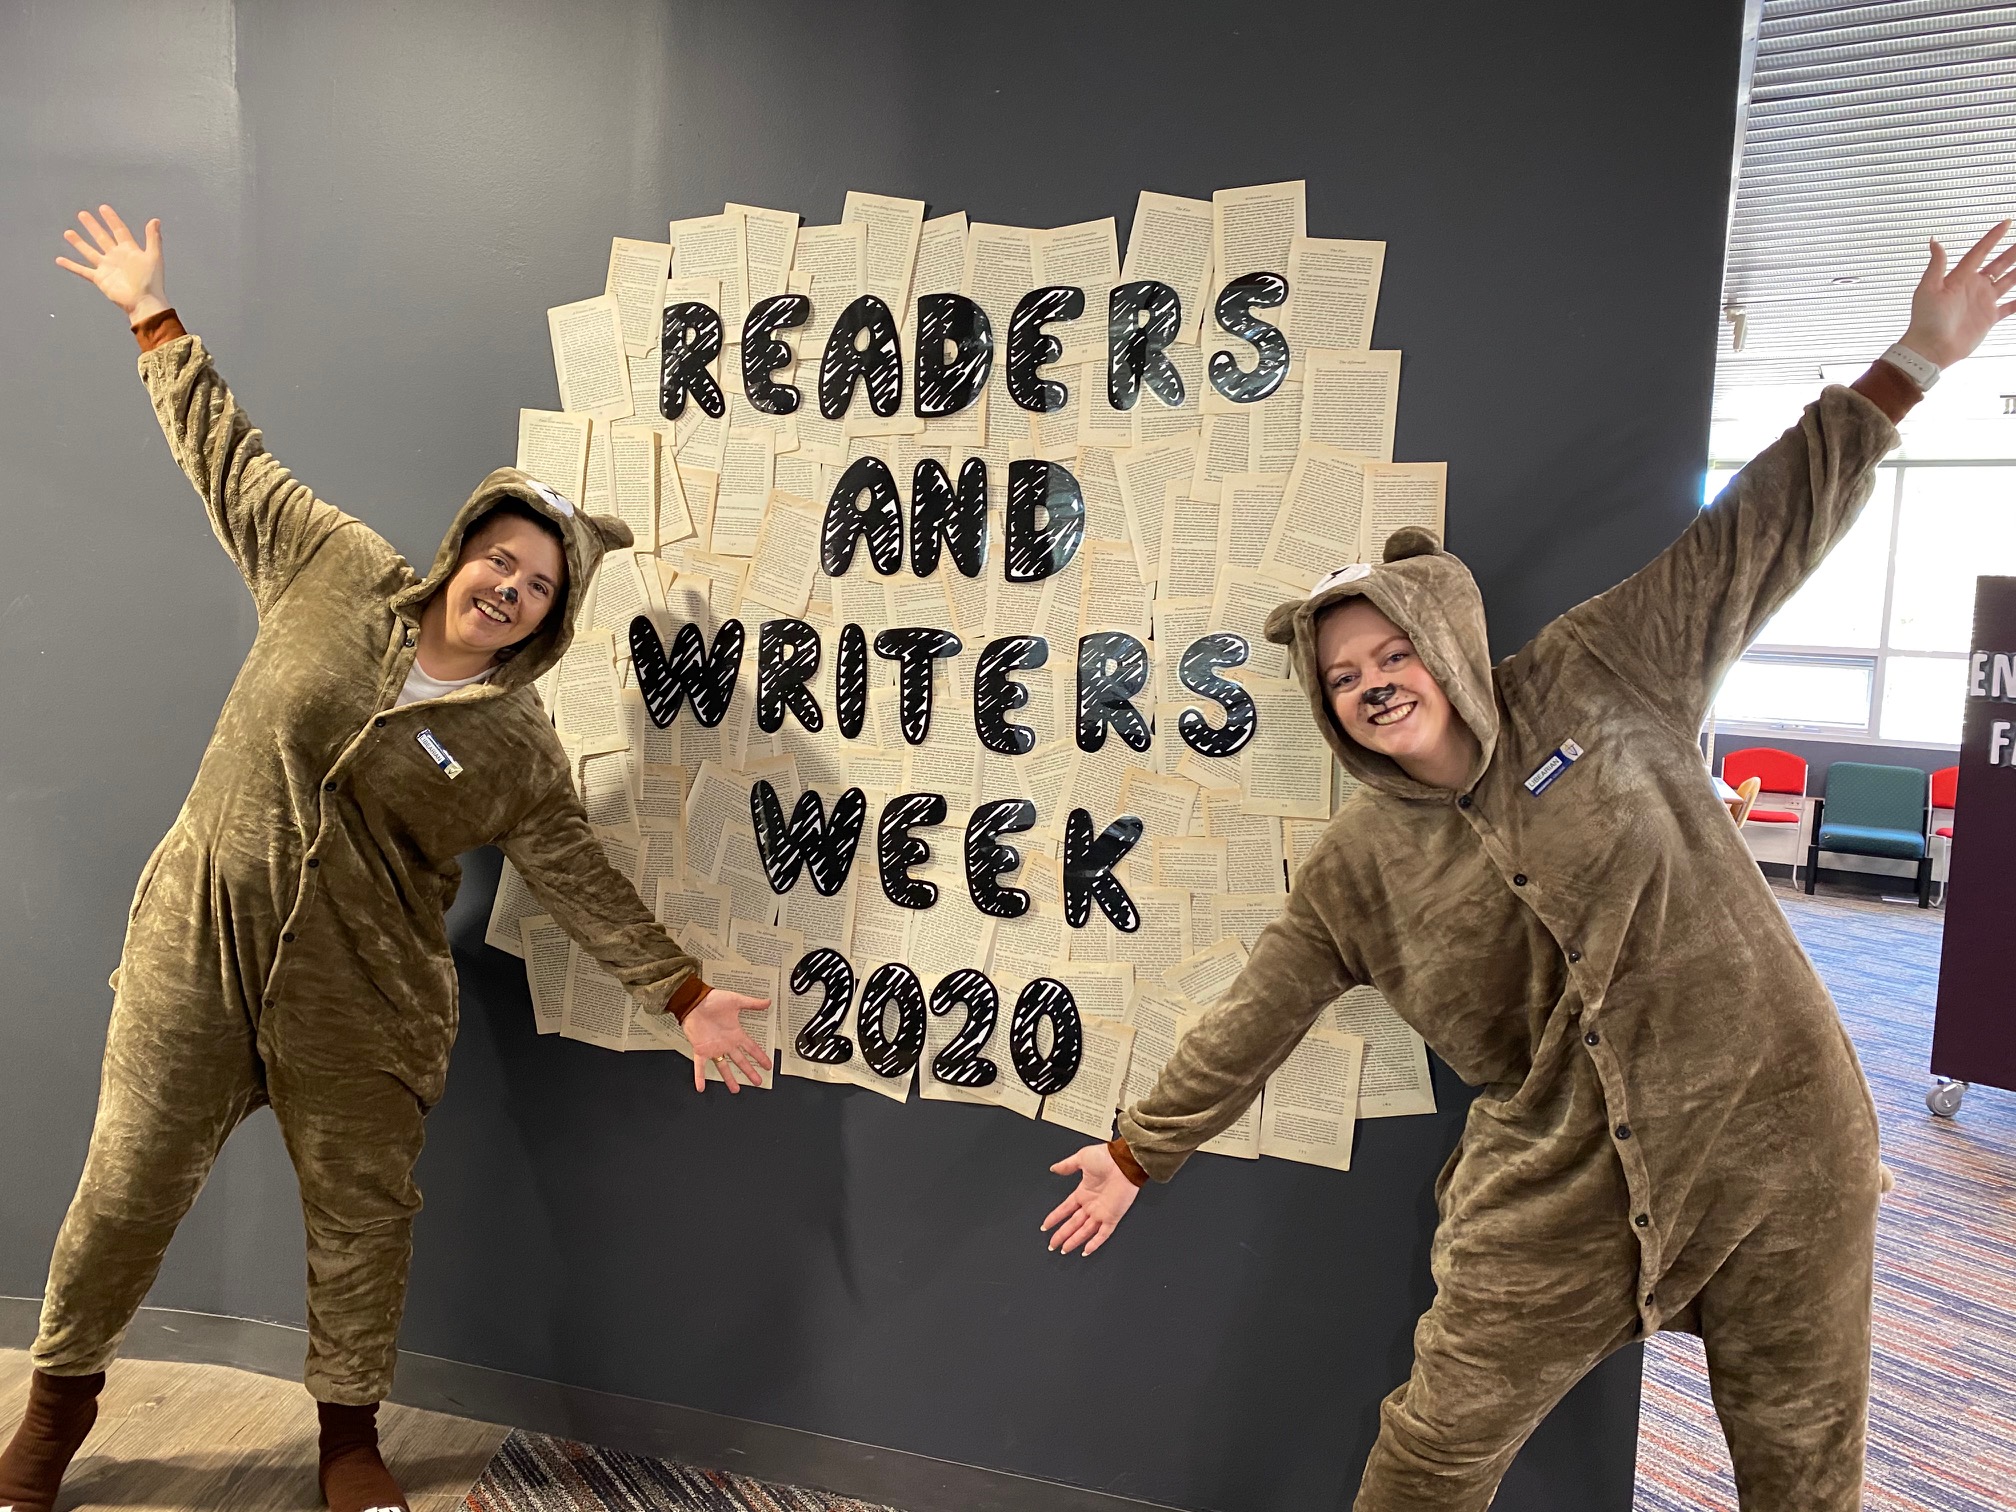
1235,313
787,654
1112,668
986,860
960,1063
945,384
894,985
996,693
1088,870
1030,346
913,648
763,353
939,517
880,519
1142,318
690,672
1199,671
863,345
897,850
824,847
1036,550
1046,997
850,680
691,338
821,1041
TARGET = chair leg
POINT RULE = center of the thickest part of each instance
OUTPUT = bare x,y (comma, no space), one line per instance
1925,881
1812,867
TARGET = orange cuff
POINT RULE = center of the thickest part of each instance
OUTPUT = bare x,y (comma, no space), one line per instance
158,330
686,997
1124,1158
1889,388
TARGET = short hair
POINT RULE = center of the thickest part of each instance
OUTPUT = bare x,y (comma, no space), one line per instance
518,509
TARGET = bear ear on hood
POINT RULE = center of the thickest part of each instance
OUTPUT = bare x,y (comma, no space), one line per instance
1281,623
615,534
1412,541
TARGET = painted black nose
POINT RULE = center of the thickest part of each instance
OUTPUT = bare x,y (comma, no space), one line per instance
510,596
1379,697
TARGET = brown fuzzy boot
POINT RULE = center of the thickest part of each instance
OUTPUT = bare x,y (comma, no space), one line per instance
354,1478
61,1410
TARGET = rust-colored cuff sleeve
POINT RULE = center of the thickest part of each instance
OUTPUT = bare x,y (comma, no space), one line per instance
1889,388
1124,1158
158,330
686,997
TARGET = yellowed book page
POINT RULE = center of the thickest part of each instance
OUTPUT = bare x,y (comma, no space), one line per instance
1333,293
1300,837
1157,1021
701,488
1116,598
696,436
802,476
1085,256
1196,862
1321,526
951,934
605,792
1100,425
1163,804
786,556
1312,1100
595,1007
768,239
940,265
588,359
636,281
833,263
1242,916
1403,494
1101,989
675,518
715,246
719,798
1162,940
553,447
662,787
624,587
1088,1104
1254,228
1395,1082
584,704
1242,1139
1243,602
633,464
1188,571
1145,475
738,866
1252,502
1000,269
1029,946
1208,975
1170,240
773,949
546,950
1350,401
1252,844
1285,768
1279,438
743,493
661,857
825,922
894,228
1154,420
881,928
512,903
1225,448
598,494
1178,626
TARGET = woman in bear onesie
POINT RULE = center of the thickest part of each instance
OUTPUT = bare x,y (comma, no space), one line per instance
1674,1131
286,944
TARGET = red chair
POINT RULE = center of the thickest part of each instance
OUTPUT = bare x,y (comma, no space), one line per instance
1775,828
1945,799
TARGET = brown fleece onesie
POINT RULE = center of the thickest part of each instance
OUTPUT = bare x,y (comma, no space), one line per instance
1674,1131
286,943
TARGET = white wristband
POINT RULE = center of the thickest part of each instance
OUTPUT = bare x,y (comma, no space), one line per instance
1922,371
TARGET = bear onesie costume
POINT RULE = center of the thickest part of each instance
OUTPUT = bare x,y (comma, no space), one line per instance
1674,1130
286,944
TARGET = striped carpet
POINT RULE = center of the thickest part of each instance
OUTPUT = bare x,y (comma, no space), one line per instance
1942,1415
1942,1434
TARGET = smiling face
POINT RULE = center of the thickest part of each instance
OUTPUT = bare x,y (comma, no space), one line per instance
1384,698
507,581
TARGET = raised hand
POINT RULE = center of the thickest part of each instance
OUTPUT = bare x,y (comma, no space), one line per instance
126,272
1096,1207
714,1028
1952,312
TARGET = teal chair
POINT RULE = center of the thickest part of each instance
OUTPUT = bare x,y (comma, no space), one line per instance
1868,810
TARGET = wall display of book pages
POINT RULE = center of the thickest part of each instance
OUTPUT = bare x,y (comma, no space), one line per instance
932,702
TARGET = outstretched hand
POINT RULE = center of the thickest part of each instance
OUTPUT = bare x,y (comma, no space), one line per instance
126,272
714,1029
1953,312
1095,1209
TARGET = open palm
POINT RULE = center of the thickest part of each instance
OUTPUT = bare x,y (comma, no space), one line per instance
126,271
1953,311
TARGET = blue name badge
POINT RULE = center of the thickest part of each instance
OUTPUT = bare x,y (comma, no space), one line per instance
1544,774
439,753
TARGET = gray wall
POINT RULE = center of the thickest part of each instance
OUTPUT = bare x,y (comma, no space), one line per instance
369,206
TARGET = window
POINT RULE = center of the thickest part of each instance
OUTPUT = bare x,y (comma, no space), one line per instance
1873,647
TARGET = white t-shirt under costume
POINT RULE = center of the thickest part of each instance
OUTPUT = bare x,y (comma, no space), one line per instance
419,685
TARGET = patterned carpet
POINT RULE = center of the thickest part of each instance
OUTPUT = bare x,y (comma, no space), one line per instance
1943,1415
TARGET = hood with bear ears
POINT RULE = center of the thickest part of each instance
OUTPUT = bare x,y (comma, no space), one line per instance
1431,596
586,537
